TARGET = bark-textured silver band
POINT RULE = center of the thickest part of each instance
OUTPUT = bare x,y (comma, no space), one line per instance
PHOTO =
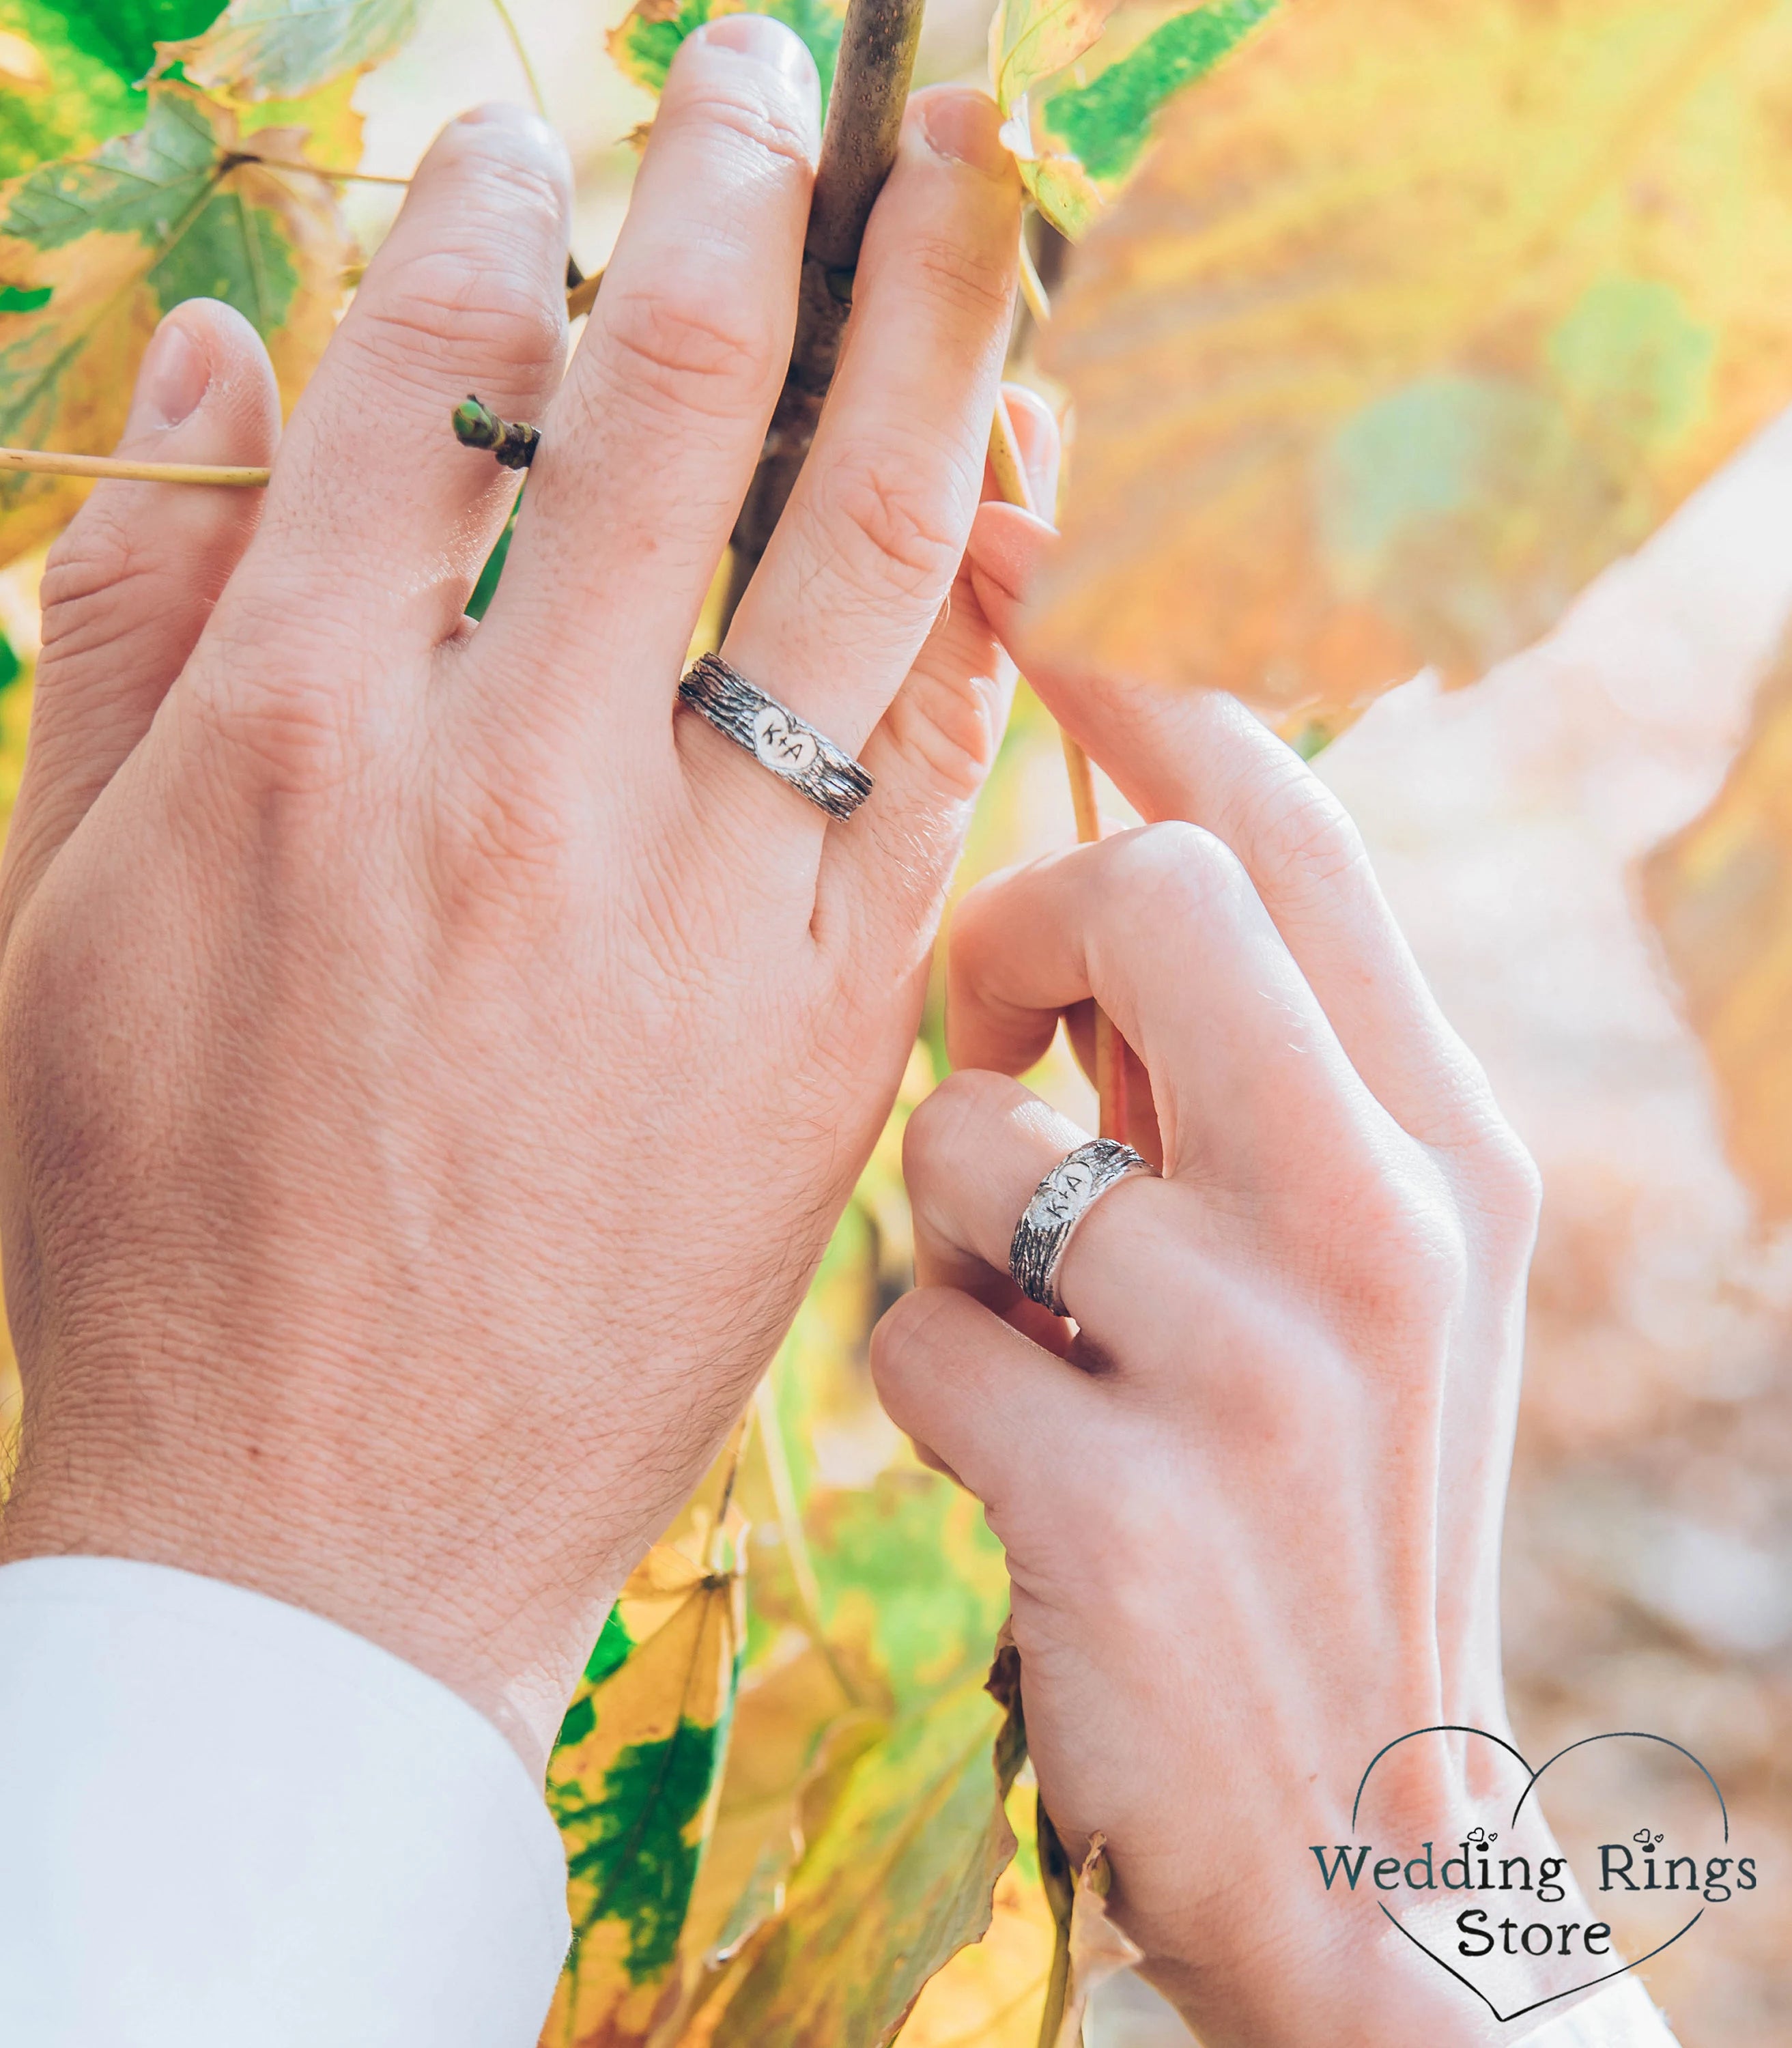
775,737
1060,1202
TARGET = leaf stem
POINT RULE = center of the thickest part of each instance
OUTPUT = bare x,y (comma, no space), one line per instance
1032,287
323,171
1011,479
52,462
521,49
1059,1882
796,1537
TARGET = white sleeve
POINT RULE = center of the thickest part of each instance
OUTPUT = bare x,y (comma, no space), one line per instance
224,1819
1623,2016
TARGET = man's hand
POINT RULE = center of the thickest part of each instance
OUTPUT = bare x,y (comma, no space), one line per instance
1252,1512
432,1067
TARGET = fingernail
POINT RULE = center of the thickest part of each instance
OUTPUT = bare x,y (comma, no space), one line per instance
764,40
964,127
171,382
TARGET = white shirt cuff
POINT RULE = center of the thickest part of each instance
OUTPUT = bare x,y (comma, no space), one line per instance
1623,2016
227,1820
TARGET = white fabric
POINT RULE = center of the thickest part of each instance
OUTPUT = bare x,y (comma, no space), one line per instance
225,1821
1623,2016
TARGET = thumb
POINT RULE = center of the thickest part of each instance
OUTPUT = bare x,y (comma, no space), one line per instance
129,585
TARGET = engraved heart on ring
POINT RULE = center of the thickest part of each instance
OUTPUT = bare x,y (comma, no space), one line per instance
1067,1187
780,744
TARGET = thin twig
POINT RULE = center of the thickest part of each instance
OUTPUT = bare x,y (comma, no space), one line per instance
323,171
795,1538
518,45
1059,1881
1011,479
50,462
1033,288
858,147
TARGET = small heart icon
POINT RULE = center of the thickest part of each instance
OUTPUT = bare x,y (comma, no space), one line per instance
1520,1930
781,744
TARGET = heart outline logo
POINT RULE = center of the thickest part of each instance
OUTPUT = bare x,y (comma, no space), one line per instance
1532,1777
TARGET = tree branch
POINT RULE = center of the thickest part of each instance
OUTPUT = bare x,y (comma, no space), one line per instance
858,147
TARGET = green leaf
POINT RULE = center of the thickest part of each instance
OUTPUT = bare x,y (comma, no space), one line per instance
635,1777
151,187
1107,122
94,249
644,43
82,86
123,33
636,1848
281,50
1083,81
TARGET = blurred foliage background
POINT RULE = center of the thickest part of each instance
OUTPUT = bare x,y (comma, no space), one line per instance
1591,846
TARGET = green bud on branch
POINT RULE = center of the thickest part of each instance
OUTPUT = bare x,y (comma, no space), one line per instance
514,442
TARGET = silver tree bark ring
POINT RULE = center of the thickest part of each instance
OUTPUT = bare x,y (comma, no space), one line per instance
1060,1202
775,736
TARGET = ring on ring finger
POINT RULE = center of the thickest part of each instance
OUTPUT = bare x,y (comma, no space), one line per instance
1060,1202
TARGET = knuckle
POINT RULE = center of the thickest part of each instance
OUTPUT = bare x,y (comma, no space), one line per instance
289,735
947,1122
275,701
1177,873
1301,830
1409,1257
958,276
951,722
90,584
885,522
905,1339
502,854
768,130
1505,1177
441,308
679,343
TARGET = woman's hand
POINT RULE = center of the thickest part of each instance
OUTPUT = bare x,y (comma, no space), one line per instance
1252,1511
432,1067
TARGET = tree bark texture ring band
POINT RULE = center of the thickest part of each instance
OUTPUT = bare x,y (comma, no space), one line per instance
1060,1202
775,737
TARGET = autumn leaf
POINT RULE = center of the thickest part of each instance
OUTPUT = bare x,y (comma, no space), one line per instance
1080,83
643,44
95,250
633,1779
992,1991
281,49
988,1995
1416,318
898,1879
874,1592
1098,1948
1720,894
